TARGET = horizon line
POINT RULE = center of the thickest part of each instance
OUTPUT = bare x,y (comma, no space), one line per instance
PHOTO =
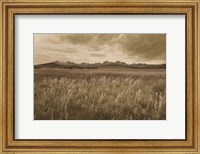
100,62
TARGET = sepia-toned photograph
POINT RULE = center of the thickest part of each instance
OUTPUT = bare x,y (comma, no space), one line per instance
99,76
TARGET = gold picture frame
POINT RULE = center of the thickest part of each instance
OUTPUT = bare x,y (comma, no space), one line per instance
9,8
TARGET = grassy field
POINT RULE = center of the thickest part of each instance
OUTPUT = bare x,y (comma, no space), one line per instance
118,94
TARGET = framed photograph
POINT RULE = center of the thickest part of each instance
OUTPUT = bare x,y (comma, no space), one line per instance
99,76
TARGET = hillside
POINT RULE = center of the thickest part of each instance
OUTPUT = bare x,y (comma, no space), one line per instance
105,64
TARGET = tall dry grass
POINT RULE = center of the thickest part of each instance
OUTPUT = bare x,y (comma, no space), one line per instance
100,97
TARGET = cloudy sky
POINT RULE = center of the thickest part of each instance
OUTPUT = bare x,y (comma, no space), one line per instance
93,48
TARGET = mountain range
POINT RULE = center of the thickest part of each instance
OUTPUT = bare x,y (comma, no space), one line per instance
105,64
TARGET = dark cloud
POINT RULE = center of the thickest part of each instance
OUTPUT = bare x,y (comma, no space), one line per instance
87,38
94,41
76,38
145,46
